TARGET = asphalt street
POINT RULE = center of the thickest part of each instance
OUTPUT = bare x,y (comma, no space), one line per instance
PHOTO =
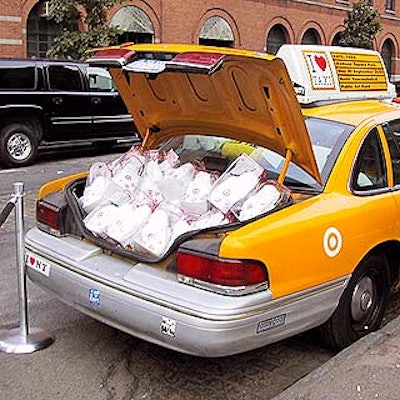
92,360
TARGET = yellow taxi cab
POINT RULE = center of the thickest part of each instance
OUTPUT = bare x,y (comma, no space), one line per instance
262,202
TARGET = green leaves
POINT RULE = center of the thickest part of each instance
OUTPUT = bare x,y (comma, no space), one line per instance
74,43
362,24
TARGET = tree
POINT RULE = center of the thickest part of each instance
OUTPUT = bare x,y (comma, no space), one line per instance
75,44
362,24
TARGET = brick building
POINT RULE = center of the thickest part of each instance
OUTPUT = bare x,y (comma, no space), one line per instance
261,25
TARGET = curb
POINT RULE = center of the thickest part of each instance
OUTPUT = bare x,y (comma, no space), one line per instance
332,368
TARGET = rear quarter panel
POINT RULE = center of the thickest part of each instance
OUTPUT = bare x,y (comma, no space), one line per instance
322,238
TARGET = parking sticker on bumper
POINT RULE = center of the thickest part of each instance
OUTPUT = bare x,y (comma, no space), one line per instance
168,326
271,323
94,297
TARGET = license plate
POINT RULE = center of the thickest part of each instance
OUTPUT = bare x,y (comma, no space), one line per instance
148,66
39,265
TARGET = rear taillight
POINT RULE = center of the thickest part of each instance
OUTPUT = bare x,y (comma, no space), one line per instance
197,62
113,57
50,215
222,275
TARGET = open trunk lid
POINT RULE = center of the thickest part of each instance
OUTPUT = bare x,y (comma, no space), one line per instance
172,90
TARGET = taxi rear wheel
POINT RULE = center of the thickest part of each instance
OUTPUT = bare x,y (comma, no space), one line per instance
362,305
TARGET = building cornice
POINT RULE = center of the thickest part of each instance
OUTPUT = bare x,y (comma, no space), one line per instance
10,18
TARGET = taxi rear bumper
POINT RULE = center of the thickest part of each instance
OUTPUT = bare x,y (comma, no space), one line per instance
214,326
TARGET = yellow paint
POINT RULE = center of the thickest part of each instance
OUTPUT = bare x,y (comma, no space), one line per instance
285,167
58,184
184,48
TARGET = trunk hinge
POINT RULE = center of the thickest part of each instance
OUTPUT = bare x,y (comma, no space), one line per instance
288,158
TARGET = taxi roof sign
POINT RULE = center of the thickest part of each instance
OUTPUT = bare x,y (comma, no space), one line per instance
326,73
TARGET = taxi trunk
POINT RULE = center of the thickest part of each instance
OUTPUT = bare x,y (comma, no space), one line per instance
223,117
206,119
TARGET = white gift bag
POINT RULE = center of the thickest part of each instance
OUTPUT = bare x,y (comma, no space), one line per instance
102,190
241,177
128,218
209,219
179,228
155,235
129,176
101,218
195,197
173,184
259,202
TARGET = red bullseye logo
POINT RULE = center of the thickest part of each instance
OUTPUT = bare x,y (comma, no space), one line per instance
332,242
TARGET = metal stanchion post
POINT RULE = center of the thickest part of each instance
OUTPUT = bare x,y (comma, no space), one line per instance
22,340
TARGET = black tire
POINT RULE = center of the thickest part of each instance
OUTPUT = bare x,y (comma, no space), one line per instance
361,306
18,145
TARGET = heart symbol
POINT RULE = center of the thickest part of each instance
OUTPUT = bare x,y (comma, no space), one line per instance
321,62
31,261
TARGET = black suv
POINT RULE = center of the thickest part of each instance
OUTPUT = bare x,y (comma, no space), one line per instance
57,103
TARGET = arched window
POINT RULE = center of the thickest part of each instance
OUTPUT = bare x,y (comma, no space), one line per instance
311,36
135,24
336,39
40,31
387,53
277,36
216,31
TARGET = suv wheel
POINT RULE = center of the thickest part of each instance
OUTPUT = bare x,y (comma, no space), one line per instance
18,145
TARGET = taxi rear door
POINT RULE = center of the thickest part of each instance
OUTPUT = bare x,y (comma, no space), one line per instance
391,132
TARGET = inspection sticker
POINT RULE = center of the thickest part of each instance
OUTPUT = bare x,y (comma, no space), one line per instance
39,265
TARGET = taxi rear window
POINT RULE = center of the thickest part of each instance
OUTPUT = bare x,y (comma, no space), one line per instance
216,153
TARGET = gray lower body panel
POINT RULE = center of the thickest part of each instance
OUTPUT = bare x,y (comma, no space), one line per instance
171,314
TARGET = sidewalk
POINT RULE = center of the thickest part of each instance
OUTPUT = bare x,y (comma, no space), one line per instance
369,369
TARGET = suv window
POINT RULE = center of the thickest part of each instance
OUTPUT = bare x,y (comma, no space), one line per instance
65,78
17,77
370,172
100,80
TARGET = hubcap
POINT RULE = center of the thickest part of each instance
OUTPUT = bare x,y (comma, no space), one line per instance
19,146
363,299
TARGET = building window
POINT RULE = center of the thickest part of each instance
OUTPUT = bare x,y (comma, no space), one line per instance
390,5
387,53
216,31
336,39
277,36
40,31
135,24
311,36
